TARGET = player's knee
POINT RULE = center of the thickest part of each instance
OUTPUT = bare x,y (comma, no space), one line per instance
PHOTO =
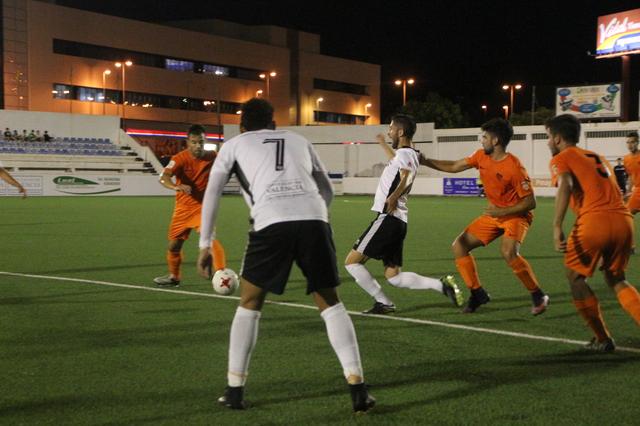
509,254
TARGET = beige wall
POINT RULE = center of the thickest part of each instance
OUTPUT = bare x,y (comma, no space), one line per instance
47,21
344,70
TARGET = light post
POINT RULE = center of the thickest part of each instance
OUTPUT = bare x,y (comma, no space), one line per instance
506,111
366,112
259,93
105,73
218,74
267,77
511,88
403,83
318,102
122,66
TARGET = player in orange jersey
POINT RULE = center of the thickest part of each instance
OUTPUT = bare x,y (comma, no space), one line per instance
511,199
603,231
632,166
191,169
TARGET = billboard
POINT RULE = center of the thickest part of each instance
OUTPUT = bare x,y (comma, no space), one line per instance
618,34
460,186
586,102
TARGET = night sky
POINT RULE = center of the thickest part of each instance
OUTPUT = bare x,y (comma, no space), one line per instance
464,50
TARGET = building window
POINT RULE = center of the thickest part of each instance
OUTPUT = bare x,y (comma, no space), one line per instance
138,99
339,86
84,50
178,65
62,91
337,118
215,69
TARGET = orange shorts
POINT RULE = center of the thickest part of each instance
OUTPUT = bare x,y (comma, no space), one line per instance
633,203
487,228
601,235
184,219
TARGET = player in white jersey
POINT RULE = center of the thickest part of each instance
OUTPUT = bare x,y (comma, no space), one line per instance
5,176
384,238
287,189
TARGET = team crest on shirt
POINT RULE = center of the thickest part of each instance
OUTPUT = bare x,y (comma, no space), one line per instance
525,185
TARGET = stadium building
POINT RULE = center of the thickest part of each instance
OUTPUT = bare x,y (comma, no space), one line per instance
59,59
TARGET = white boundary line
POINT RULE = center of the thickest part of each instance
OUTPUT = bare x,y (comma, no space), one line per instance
301,306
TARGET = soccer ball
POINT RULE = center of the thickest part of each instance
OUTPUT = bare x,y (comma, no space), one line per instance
225,282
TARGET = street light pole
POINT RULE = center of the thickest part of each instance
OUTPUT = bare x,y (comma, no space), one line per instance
122,67
403,83
218,74
267,77
506,111
105,73
511,88
318,101
366,112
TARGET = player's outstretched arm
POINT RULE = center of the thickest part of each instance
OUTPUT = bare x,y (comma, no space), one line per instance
448,166
565,187
5,176
385,146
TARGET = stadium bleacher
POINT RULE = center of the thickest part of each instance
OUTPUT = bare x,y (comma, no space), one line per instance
72,154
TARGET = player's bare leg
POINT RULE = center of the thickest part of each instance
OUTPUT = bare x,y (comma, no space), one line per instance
354,264
342,337
510,250
466,265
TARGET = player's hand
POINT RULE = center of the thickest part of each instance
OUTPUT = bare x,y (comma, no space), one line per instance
183,188
559,240
380,139
392,204
204,263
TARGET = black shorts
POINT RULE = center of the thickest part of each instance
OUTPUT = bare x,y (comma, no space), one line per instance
271,252
383,239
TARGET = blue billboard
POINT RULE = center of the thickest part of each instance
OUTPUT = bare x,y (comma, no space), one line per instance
460,186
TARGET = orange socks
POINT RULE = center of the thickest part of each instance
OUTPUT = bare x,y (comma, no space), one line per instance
629,298
525,274
589,310
468,271
219,257
174,260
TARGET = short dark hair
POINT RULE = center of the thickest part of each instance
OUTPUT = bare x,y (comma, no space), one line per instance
407,123
196,129
566,126
500,128
632,135
257,114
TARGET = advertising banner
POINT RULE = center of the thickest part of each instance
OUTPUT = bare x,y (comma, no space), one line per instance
586,102
460,186
618,34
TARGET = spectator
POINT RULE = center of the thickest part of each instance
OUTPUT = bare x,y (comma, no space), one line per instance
7,134
46,136
621,175
31,136
24,136
38,136
15,136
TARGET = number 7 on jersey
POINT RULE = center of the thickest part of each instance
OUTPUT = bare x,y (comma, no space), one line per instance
279,152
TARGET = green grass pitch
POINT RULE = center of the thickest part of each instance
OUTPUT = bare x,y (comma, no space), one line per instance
82,352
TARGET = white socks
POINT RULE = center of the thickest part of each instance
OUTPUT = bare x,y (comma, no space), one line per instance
343,339
369,284
242,339
414,281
